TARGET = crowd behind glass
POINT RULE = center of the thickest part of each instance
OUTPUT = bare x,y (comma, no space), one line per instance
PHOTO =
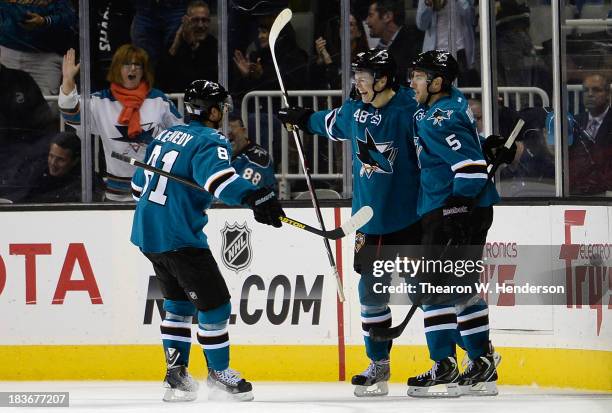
145,52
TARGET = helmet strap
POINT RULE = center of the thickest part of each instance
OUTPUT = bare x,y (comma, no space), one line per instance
430,94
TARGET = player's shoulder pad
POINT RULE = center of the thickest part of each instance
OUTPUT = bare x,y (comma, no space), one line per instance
258,155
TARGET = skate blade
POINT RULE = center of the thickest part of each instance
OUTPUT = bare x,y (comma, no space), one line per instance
439,390
377,389
175,395
221,395
480,389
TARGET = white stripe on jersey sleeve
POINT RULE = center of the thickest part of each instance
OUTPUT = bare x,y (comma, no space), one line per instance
471,176
468,162
216,175
330,121
224,184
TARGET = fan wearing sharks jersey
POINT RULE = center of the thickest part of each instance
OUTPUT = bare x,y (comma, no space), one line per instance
168,229
377,125
455,203
126,116
251,161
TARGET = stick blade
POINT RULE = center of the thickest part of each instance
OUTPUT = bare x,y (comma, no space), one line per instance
514,133
361,217
281,21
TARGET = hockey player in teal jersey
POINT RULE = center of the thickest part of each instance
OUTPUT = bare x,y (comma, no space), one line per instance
377,124
167,228
251,161
455,203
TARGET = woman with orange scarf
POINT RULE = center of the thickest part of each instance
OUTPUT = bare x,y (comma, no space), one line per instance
126,116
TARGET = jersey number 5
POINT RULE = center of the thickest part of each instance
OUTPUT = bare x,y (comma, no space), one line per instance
157,194
453,142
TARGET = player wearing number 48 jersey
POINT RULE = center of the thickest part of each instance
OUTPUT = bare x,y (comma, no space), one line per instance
167,227
455,203
376,122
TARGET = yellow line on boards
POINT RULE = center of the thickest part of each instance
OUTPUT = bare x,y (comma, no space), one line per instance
547,367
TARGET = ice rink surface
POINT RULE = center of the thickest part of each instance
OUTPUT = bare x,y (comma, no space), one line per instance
88,397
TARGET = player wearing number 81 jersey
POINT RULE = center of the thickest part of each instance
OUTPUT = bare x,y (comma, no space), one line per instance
168,228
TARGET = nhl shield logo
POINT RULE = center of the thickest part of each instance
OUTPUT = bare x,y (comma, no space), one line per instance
237,251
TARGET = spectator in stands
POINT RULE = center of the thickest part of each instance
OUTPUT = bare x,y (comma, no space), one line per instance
243,19
386,20
26,123
61,179
532,172
590,155
110,29
193,54
325,72
256,72
507,117
33,37
517,61
126,116
434,18
476,108
155,25
251,161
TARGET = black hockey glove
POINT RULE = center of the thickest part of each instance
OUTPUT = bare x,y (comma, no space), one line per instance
296,116
494,146
456,219
265,206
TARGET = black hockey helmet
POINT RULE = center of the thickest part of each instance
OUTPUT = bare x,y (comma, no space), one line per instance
202,95
438,63
377,61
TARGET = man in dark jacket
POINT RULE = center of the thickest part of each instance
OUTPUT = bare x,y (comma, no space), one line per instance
590,155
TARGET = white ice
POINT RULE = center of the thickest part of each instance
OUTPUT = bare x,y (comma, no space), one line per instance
129,397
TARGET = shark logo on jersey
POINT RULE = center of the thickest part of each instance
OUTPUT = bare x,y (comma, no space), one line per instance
139,141
375,157
439,115
236,246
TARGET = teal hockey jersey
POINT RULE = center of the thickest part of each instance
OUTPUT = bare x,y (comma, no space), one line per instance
385,172
449,154
170,215
254,164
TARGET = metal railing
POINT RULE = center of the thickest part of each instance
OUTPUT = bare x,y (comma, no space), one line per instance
259,107
516,91
263,104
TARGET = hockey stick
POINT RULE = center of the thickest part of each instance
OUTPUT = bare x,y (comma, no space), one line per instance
360,218
279,23
386,334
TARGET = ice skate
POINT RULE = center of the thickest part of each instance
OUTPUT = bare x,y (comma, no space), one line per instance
480,376
179,385
439,381
228,385
373,381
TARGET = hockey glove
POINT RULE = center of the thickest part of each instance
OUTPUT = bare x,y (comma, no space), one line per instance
456,219
265,206
295,116
494,146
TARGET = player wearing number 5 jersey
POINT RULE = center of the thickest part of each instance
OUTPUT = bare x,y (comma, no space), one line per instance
455,203
167,228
